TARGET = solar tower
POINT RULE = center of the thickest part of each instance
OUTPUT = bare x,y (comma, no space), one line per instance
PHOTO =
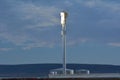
63,15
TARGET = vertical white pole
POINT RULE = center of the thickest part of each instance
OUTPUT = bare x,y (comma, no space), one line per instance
63,33
64,48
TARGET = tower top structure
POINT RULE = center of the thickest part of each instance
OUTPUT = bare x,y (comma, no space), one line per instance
63,15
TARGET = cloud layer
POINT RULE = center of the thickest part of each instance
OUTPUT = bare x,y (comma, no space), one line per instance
24,24
28,24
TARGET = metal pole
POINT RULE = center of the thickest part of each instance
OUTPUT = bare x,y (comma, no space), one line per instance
64,48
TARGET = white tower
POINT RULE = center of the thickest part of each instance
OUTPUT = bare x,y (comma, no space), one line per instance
63,15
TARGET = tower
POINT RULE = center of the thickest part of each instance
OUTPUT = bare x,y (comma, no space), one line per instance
63,15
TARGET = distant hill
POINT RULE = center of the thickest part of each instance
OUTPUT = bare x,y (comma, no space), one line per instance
38,70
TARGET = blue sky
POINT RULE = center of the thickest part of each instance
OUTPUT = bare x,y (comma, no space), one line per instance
30,31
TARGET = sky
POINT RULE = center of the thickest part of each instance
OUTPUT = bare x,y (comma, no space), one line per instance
30,31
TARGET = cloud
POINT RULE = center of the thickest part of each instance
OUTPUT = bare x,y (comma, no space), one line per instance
77,41
35,15
5,49
24,22
29,24
114,44
90,3
37,45
68,3
97,20
39,15
112,6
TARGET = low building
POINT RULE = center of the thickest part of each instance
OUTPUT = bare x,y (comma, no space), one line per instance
83,71
59,71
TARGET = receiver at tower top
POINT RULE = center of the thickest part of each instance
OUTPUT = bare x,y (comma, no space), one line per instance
63,15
